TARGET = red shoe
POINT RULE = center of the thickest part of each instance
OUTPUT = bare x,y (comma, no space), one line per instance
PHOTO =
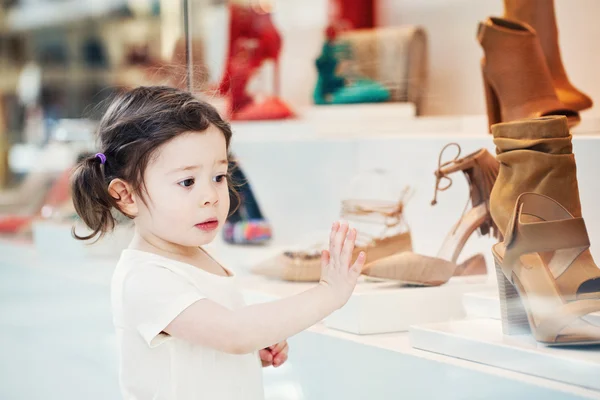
14,223
271,108
58,194
253,39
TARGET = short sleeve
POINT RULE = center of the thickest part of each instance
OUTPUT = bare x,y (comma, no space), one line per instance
153,296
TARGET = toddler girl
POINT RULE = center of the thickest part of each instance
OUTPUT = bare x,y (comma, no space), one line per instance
182,327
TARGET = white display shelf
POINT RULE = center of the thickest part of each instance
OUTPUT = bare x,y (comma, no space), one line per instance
482,341
487,305
375,119
400,368
356,121
388,307
482,304
384,112
379,307
402,371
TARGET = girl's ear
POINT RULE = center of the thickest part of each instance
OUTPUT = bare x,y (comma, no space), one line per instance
126,199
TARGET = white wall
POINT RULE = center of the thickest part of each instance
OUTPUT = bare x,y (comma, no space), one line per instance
455,78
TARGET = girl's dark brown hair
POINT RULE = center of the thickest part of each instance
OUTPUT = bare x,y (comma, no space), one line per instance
134,126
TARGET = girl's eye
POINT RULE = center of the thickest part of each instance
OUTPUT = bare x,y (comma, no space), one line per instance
186,182
220,178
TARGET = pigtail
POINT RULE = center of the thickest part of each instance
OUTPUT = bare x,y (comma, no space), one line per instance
92,201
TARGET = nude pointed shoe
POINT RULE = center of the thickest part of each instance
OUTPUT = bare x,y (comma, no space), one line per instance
480,169
305,265
541,240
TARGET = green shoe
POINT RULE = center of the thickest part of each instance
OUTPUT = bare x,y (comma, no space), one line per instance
361,91
334,89
327,81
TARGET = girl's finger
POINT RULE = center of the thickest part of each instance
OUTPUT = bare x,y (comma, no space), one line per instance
324,258
338,242
334,229
266,356
285,349
280,359
359,264
278,348
346,255
282,356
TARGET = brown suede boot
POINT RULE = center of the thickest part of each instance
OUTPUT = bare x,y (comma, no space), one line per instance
536,155
539,14
516,78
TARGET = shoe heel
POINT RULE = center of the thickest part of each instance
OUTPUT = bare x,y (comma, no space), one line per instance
492,103
512,312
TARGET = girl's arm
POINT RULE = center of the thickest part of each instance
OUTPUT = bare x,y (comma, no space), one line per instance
259,326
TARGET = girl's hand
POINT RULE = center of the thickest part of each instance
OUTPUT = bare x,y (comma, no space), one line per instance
275,355
337,273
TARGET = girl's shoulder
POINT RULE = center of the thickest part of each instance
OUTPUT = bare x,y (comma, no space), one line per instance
138,261
140,275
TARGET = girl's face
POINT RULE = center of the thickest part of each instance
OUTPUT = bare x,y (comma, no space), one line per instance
187,194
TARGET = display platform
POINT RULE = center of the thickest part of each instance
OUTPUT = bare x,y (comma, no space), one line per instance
481,340
382,112
359,119
482,304
388,307
375,119
379,307
487,305
401,369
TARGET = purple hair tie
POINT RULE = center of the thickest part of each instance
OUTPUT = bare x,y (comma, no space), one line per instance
102,158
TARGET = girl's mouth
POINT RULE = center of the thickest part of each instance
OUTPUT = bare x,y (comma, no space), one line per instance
208,225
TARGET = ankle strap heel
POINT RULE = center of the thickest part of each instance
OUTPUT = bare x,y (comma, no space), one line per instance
480,169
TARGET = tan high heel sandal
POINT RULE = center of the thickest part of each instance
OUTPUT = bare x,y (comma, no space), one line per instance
542,240
305,266
536,155
480,169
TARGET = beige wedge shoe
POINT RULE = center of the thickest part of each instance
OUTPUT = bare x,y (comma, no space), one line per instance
305,265
480,169
541,240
